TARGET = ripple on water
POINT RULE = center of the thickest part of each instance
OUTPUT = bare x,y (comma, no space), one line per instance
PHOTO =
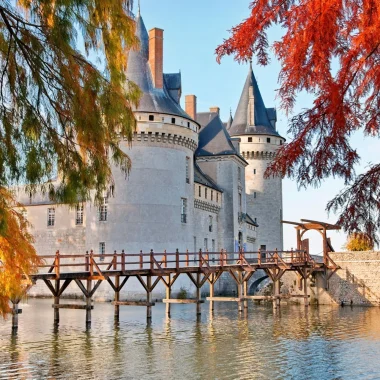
323,343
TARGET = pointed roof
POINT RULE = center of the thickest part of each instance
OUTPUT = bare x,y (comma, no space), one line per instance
214,139
204,179
229,122
153,100
262,124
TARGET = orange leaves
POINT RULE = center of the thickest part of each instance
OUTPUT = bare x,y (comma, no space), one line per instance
17,254
331,49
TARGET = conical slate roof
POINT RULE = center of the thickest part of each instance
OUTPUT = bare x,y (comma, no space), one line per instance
138,71
214,139
241,123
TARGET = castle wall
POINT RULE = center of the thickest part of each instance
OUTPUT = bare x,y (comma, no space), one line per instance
356,281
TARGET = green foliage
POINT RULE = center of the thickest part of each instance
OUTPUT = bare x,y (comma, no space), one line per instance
359,242
59,114
182,294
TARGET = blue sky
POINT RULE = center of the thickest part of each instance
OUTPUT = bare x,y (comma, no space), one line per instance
193,29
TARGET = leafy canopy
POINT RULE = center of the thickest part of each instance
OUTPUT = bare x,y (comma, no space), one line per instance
316,33
359,242
58,112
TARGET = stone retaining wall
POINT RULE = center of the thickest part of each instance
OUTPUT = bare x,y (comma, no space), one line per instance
357,282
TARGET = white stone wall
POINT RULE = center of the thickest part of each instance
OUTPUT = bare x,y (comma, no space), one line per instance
264,196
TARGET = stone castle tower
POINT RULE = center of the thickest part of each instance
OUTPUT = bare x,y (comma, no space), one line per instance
145,209
255,126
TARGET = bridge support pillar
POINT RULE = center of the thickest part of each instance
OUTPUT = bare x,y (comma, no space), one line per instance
56,302
88,304
199,310
240,292
168,295
117,299
212,293
245,292
15,313
149,298
306,296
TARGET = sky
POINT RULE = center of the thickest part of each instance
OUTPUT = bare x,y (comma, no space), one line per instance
192,31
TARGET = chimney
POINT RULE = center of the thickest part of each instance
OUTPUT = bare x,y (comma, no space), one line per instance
156,56
191,106
215,110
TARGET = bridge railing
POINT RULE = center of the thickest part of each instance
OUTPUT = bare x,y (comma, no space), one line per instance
99,263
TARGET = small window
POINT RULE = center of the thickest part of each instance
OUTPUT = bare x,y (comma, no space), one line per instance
183,210
268,139
280,142
254,171
187,169
217,197
254,195
173,120
206,193
51,217
249,139
239,173
200,191
102,249
103,210
240,200
213,245
212,195
151,117
210,223
79,215
205,245
188,124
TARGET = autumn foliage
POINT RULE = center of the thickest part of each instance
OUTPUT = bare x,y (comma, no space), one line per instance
329,48
59,113
359,242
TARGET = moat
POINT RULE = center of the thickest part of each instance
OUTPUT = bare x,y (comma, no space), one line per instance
291,343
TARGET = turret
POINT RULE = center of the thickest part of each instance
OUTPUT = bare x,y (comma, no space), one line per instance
255,126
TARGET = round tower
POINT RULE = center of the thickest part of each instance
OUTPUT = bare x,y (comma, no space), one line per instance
152,208
255,126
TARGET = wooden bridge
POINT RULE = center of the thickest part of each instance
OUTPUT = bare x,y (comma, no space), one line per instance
88,271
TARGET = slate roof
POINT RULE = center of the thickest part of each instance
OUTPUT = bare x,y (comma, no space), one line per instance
262,115
153,100
204,179
214,139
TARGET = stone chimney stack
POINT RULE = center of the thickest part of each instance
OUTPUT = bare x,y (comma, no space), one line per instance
191,106
156,56
215,110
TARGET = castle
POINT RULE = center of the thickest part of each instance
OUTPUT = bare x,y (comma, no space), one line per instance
196,182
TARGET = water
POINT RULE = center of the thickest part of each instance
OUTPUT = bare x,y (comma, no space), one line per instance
321,343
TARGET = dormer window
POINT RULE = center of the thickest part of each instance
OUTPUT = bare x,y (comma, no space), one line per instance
268,139
173,120
249,139
151,117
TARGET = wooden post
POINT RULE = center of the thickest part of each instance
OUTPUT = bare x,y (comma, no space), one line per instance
168,295
151,259
240,293
56,302
198,294
305,287
212,293
177,260
123,260
141,260
276,289
15,312
278,299
245,292
88,304
149,298
114,260
117,298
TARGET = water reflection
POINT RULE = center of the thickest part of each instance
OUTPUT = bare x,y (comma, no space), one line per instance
261,343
